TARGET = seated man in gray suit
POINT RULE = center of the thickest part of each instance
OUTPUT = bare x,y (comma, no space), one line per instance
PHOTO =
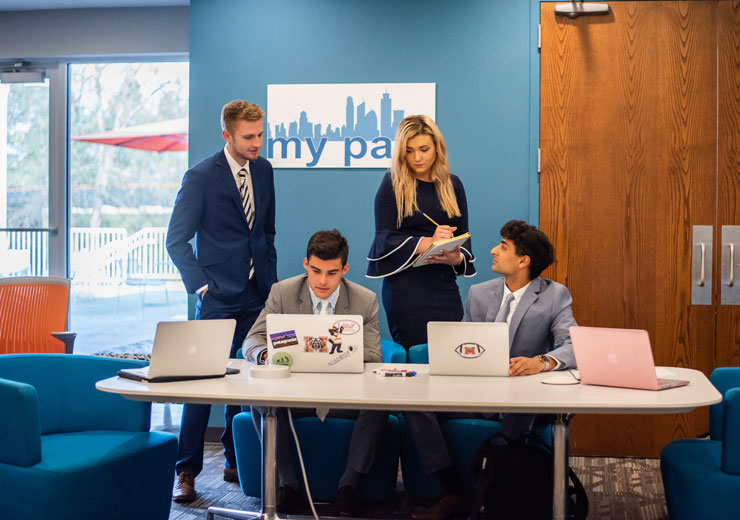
537,309
323,287
539,317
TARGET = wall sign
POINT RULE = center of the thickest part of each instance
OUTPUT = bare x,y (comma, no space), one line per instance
350,125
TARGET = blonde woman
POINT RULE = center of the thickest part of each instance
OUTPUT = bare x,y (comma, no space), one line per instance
418,190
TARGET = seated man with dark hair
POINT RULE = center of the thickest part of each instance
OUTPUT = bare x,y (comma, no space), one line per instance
323,289
537,309
539,316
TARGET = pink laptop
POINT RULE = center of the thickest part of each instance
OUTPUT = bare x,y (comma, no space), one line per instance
617,357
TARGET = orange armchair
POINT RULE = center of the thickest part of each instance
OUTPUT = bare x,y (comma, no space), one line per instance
33,315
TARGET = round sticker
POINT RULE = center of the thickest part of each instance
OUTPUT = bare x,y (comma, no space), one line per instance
282,358
348,326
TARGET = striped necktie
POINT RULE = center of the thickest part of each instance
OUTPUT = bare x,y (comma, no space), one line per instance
246,197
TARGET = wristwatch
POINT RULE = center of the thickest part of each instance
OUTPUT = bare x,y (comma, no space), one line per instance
545,361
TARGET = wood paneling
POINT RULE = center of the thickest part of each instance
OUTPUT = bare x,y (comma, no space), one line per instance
728,167
627,124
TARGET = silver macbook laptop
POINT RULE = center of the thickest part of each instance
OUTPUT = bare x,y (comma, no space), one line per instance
186,350
316,342
468,348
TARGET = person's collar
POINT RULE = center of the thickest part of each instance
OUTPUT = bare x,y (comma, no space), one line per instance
233,165
332,299
518,293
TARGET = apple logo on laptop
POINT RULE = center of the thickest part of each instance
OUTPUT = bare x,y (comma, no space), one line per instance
612,357
192,349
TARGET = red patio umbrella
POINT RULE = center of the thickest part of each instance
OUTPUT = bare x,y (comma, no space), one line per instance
163,136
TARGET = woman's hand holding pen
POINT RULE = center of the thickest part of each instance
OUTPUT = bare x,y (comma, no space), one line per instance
443,233
440,233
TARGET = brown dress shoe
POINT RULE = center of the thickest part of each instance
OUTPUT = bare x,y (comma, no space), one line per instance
231,475
447,507
185,488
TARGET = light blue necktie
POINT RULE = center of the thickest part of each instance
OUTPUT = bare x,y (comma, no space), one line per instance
503,312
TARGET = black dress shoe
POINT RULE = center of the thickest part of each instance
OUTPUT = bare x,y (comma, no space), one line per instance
185,488
346,504
289,501
231,475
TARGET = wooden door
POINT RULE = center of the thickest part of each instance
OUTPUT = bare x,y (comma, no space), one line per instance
627,132
727,351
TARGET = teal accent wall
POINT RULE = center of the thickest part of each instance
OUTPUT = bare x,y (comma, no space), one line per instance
482,55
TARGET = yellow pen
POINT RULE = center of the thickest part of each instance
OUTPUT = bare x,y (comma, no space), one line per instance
430,219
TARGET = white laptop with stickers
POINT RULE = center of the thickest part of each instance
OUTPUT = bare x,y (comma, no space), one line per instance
468,348
315,342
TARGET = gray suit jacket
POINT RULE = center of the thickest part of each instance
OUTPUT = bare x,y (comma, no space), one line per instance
541,320
291,296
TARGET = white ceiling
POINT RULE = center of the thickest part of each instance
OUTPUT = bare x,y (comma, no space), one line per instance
32,5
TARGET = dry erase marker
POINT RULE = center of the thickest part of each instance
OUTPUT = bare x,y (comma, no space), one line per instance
394,373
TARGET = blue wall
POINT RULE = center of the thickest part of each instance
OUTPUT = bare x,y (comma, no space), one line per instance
480,53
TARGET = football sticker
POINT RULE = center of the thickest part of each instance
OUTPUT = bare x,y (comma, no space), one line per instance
284,339
469,350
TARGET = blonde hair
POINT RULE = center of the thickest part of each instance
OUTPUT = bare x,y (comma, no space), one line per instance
238,110
404,182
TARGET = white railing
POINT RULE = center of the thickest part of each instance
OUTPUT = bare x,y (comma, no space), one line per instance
147,257
98,256
24,253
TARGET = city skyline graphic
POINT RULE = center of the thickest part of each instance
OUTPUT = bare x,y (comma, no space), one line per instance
359,122
340,125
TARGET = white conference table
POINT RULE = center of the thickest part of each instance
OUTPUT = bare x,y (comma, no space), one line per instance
423,392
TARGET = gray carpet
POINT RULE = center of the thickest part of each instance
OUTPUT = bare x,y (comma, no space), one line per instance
618,489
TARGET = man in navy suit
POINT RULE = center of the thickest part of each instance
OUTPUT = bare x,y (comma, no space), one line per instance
227,202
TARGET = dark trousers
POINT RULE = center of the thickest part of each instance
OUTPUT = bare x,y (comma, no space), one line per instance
195,416
363,445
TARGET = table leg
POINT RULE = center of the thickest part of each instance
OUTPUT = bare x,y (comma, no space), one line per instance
560,466
269,445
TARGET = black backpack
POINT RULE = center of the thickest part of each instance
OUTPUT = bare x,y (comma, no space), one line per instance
513,480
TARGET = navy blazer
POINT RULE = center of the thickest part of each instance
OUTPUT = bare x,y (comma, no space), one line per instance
209,208
541,320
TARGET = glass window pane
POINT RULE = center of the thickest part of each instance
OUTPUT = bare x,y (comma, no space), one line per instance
24,178
122,191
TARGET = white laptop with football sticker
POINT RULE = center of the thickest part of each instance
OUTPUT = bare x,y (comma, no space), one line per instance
315,342
468,348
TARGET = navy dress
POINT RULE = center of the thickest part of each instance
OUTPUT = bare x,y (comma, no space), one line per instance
413,296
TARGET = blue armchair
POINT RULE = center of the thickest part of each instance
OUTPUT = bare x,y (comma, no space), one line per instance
392,352
325,461
68,451
419,354
701,477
